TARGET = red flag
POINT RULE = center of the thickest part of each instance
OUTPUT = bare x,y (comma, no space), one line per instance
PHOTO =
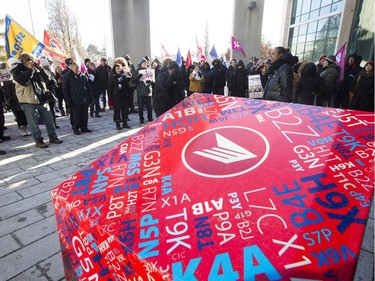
164,52
188,60
53,47
237,46
340,60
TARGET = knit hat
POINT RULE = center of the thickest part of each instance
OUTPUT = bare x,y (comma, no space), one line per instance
141,60
12,63
331,59
127,57
371,62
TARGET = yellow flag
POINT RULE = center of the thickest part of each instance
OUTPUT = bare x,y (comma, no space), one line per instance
18,40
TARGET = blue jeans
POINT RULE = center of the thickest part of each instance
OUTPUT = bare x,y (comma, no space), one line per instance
32,113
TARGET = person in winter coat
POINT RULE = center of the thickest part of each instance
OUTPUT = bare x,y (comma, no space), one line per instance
77,96
59,93
205,69
95,87
168,88
239,81
118,92
144,91
309,85
362,88
330,74
351,70
196,80
280,82
320,63
30,79
215,79
229,75
103,71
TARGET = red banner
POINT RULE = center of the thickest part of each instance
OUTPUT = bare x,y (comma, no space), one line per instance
223,188
54,47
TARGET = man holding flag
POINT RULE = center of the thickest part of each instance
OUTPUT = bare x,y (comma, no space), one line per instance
29,77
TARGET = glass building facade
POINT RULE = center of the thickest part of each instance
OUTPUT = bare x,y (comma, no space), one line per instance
314,27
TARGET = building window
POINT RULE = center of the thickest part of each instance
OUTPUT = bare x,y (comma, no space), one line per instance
314,27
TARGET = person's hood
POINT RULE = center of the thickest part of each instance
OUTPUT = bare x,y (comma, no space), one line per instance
307,69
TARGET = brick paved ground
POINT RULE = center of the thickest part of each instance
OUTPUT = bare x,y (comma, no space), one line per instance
29,246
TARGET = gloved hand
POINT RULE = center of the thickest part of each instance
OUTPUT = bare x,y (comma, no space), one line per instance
91,77
139,76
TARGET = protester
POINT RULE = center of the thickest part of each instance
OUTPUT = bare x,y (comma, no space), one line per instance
12,101
51,86
309,86
144,91
362,88
94,86
2,119
104,70
215,79
351,70
205,70
229,75
168,88
59,93
280,82
238,80
132,86
118,92
195,81
76,94
321,62
189,70
29,77
329,74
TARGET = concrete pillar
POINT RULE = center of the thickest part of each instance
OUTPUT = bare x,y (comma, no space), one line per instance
130,28
247,27
347,18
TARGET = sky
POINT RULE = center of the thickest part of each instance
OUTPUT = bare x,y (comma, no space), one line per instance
190,16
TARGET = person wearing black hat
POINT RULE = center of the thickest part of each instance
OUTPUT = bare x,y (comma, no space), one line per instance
279,86
351,70
329,74
132,86
362,89
168,88
103,71
144,91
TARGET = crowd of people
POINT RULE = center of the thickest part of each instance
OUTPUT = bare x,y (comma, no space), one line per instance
38,90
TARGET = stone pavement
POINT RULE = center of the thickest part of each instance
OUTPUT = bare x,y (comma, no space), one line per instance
29,246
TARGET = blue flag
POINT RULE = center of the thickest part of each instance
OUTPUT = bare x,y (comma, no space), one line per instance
179,58
213,53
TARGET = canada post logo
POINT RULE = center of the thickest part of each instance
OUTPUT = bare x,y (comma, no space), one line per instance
225,152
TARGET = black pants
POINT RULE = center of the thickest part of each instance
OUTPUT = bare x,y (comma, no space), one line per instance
80,116
120,108
94,105
131,98
142,103
2,118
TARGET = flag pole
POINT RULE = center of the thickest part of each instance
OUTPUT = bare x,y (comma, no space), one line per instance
31,17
